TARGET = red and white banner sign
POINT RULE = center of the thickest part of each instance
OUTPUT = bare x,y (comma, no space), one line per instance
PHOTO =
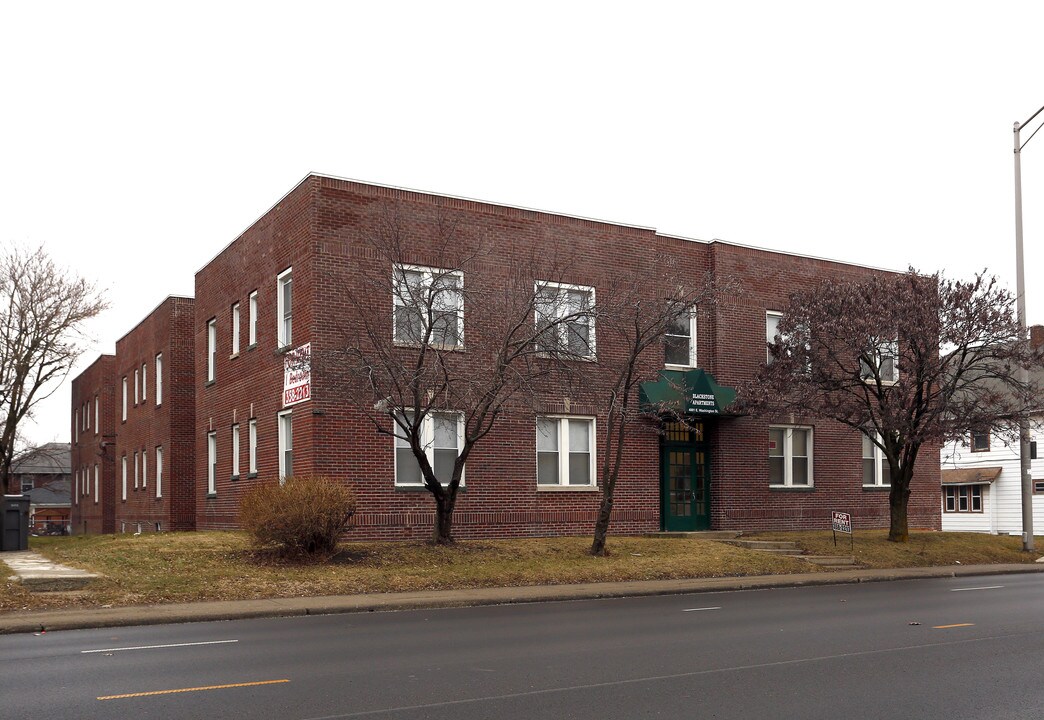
297,375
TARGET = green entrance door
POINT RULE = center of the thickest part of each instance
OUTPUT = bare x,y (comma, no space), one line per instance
685,486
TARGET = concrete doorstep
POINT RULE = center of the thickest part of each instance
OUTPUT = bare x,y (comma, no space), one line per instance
38,574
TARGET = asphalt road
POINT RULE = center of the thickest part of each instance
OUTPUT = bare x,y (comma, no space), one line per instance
942,648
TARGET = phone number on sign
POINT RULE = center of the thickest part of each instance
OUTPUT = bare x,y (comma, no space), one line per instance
296,395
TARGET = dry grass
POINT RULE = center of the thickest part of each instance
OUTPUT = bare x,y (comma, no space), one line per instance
186,567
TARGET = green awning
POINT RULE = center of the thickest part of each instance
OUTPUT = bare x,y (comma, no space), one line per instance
685,392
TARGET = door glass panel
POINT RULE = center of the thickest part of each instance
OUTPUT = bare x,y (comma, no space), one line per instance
680,483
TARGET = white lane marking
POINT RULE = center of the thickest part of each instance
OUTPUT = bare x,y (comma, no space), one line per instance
698,609
155,647
987,587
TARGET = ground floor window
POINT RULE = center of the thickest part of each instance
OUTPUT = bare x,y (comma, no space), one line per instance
876,470
441,437
286,444
963,498
565,451
790,456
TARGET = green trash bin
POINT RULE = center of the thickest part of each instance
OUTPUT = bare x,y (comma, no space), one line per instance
14,523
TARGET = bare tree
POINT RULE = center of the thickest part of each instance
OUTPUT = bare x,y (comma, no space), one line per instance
635,313
43,309
405,365
909,360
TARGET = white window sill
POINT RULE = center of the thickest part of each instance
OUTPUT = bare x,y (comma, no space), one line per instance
810,486
434,346
567,488
669,366
875,486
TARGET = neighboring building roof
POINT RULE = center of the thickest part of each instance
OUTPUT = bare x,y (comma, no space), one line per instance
57,493
48,459
971,476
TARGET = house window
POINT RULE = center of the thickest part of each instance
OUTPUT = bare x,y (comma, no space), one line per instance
159,378
235,452
136,381
123,465
235,328
252,320
884,363
135,469
97,414
1033,450
27,485
1038,487
680,341
429,306
284,307
286,445
211,348
876,470
790,456
772,319
211,463
87,415
159,471
565,315
76,425
963,498
124,415
252,446
144,469
980,441
441,436
97,486
144,383
565,451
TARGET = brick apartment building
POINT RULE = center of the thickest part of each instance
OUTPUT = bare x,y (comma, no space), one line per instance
93,447
143,471
282,285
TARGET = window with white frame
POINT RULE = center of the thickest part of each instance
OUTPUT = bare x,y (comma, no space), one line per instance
235,451
790,456
136,387
97,415
565,451
144,469
97,486
429,306
27,485
883,359
962,498
876,470
285,423
980,441
123,466
135,469
124,415
144,383
680,341
252,319
159,471
76,425
211,463
87,415
235,328
252,446
159,378
285,307
442,438
211,348
772,319
565,314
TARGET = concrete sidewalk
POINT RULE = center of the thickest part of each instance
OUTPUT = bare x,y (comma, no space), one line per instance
285,607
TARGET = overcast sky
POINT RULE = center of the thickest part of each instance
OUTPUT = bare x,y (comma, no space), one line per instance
141,138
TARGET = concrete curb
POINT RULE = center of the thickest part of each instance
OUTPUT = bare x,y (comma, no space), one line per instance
328,605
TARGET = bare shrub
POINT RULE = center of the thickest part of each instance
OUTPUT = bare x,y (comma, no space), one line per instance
305,516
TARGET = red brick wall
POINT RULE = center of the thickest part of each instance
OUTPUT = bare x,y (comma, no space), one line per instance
167,330
95,446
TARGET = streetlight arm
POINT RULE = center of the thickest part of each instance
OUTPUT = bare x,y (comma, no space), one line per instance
1030,120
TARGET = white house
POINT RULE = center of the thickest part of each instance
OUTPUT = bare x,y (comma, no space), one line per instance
981,491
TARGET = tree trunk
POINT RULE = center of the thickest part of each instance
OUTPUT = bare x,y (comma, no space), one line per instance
898,499
602,526
443,521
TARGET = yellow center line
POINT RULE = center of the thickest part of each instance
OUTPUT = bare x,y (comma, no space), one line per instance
191,689
945,627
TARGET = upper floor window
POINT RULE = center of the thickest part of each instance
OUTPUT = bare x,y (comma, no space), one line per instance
97,415
429,306
790,456
124,416
772,319
144,383
884,363
980,441
285,307
680,341
565,451
76,425
876,470
565,314
442,438
136,386
252,319
235,328
159,378
211,348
